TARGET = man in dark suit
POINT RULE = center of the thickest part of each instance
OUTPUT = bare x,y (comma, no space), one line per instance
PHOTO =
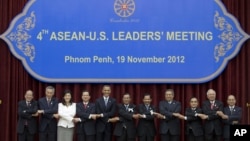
231,115
48,107
146,126
213,123
170,123
27,121
105,108
193,116
85,128
125,128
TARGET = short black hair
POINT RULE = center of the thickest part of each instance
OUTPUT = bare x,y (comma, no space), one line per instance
147,94
83,91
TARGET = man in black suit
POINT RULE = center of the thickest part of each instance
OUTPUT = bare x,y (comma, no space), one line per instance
27,121
48,106
170,123
213,123
193,116
231,115
105,108
85,128
125,128
146,126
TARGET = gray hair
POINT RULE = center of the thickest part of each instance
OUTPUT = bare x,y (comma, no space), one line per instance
211,90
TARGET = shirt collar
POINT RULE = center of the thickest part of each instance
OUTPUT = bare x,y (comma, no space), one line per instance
105,97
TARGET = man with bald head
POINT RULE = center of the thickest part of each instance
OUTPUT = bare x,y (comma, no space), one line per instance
27,117
213,122
231,115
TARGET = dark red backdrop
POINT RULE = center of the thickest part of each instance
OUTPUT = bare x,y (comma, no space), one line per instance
14,80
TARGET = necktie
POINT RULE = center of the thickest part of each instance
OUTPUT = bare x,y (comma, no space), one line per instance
147,106
106,101
85,106
212,105
28,104
126,107
48,102
231,110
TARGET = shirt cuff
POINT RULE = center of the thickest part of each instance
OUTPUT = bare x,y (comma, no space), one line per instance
185,117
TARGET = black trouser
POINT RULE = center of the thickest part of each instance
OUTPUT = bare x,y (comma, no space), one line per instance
212,137
106,135
192,137
25,136
169,137
124,136
48,135
146,138
84,137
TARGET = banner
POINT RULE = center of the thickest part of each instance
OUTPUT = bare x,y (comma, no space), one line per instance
125,41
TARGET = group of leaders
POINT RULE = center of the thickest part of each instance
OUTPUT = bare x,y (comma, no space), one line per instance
101,120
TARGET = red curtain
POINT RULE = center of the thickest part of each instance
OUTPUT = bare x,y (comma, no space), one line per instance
14,80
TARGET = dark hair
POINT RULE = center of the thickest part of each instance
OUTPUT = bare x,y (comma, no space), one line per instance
86,91
193,97
64,93
147,94
170,90
125,94
106,85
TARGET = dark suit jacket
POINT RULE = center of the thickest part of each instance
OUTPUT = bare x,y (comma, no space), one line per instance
214,122
126,121
47,118
108,112
86,125
171,123
235,116
25,115
146,126
194,122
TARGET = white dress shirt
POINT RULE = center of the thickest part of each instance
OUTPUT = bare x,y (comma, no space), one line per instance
66,114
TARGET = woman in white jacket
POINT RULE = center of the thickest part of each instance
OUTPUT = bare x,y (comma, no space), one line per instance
66,112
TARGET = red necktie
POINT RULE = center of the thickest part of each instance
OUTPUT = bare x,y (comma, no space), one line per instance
212,105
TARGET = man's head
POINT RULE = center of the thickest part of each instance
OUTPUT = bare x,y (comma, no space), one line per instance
147,99
106,90
49,91
126,98
231,100
169,94
28,95
85,96
211,95
193,102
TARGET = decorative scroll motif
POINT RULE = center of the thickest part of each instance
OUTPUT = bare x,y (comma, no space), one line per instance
21,36
228,36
